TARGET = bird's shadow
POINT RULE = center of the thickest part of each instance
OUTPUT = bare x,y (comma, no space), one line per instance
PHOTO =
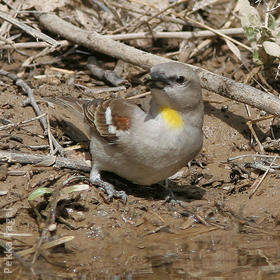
156,191
233,120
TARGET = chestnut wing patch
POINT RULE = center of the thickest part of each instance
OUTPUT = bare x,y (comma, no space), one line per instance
121,123
110,118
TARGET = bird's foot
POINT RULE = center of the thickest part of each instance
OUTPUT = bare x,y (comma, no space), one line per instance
173,201
170,198
111,192
108,188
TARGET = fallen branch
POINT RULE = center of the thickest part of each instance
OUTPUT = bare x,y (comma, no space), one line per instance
39,160
210,81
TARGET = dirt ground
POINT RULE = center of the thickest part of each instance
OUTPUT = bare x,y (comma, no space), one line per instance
219,232
223,231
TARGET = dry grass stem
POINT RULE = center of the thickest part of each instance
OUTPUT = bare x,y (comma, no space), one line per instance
47,245
257,185
224,36
30,45
175,35
19,124
31,31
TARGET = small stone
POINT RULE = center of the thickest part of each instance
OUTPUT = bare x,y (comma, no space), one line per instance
216,184
245,176
52,227
3,192
254,175
268,139
224,108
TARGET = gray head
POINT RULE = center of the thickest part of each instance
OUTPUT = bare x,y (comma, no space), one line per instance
176,85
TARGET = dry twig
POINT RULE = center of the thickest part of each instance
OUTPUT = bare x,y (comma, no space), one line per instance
33,32
89,91
250,126
32,45
54,161
107,76
50,221
257,185
48,245
219,33
176,35
252,156
31,101
10,125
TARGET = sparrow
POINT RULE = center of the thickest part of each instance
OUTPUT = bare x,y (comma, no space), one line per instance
144,147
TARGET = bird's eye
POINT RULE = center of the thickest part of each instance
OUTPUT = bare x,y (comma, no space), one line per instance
180,79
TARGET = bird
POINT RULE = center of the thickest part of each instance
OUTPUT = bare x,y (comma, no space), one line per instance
144,147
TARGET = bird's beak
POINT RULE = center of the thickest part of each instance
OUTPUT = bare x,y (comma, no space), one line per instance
156,80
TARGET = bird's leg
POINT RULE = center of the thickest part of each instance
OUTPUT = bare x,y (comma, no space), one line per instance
170,195
95,179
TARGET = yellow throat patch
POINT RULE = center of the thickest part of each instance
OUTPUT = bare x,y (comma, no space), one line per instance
171,117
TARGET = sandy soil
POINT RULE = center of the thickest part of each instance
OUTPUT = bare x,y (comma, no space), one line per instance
220,232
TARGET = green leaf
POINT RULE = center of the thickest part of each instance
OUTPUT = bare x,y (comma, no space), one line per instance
271,22
39,192
251,33
256,58
271,48
249,15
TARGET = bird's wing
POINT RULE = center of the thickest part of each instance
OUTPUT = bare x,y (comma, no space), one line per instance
111,118
108,119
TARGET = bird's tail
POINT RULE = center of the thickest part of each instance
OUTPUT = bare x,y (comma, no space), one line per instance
68,112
